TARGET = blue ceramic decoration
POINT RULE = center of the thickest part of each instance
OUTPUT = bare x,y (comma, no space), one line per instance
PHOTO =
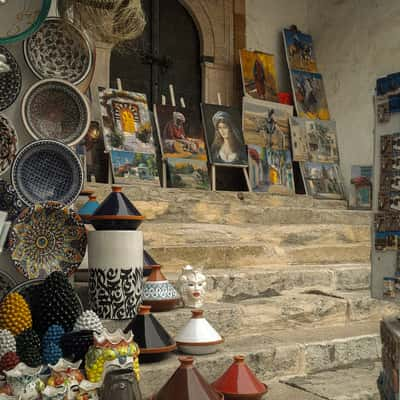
10,77
89,207
47,170
9,201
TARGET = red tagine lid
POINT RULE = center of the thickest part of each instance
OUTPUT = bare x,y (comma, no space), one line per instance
239,380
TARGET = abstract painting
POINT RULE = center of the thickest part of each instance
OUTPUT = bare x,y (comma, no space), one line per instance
266,124
224,136
360,195
188,173
259,75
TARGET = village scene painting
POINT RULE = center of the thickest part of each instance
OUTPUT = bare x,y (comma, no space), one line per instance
129,168
266,124
126,121
188,173
360,194
259,75
180,137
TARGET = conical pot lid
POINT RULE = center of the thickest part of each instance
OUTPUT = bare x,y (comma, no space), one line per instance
148,260
187,384
198,331
90,206
239,380
156,274
149,334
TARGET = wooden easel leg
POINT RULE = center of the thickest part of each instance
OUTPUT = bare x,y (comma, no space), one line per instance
246,175
213,178
110,172
164,173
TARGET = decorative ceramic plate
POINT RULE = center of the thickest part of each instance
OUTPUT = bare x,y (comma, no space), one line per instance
8,144
47,170
45,238
55,109
21,18
9,201
59,50
10,77
7,282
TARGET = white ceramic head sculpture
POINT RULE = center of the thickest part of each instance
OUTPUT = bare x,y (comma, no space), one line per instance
192,287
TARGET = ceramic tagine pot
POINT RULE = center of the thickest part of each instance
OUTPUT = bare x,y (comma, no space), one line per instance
192,287
158,292
239,382
198,336
88,208
153,340
121,385
148,263
116,212
187,384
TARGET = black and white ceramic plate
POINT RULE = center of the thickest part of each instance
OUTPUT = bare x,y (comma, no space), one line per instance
47,170
10,78
8,144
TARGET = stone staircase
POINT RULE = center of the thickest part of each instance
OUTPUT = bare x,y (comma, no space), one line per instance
288,286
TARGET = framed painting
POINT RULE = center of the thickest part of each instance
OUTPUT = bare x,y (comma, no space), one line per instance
360,195
188,173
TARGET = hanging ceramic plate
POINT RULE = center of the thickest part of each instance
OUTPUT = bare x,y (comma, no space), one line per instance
9,201
21,18
10,77
45,238
7,282
8,144
55,109
59,50
47,170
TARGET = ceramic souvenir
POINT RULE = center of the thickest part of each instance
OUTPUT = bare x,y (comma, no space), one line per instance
51,345
30,173
28,348
7,282
25,381
8,362
28,290
148,262
239,382
122,385
89,320
59,50
7,342
89,208
8,143
54,393
115,273
75,345
110,351
45,238
198,336
89,390
116,212
15,315
10,81
158,292
55,109
187,384
9,201
153,340
192,287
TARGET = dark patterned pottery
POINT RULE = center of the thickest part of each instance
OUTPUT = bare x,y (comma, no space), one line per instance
10,81
8,144
45,238
7,282
55,109
31,177
75,345
9,201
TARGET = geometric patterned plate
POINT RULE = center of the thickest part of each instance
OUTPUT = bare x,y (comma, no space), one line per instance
9,201
11,81
45,238
8,144
47,170
7,282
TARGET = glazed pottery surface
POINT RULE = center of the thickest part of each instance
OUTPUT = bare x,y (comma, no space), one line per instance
89,207
8,143
59,50
30,173
75,345
192,287
9,201
88,390
122,385
55,109
7,282
45,238
54,393
11,81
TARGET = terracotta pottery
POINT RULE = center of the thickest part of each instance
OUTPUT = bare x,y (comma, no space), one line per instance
116,212
187,384
239,382
153,340
198,336
158,292
148,262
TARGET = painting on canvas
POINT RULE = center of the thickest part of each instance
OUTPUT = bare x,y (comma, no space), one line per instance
266,123
259,75
188,173
322,180
126,121
180,136
360,194
322,141
270,170
129,168
299,48
309,95
224,136
299,139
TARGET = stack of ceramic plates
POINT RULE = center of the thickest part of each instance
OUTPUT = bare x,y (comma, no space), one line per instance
10,78
4,227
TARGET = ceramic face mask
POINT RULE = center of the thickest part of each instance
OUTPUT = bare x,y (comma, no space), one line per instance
192,286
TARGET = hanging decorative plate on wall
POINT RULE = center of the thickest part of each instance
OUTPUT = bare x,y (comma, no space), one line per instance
10,77
47,170
47,237
21,18
59,50
7,282
55,109
8,144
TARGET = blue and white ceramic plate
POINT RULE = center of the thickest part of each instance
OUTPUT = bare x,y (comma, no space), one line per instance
47,170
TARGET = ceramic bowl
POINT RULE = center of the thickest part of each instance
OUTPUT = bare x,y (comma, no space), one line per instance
11,81
8,144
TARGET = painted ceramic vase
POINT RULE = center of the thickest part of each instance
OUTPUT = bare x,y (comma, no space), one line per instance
122,385
115,273
88,208
111,350
158,292
192,287
239,382
25,381
54,393
198,336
